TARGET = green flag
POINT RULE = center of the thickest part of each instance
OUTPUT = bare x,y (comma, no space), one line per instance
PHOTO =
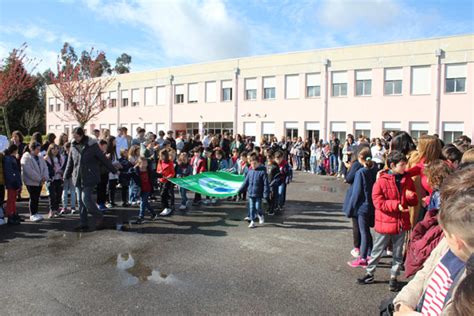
214,184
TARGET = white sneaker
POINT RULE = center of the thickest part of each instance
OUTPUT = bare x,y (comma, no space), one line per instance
213,201
252,225
206,202
389,253
182,207
355,253
36,218
261,220
109,205
2,222
73,211
247,219
166,212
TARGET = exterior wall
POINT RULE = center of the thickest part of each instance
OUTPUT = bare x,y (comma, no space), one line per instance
376,108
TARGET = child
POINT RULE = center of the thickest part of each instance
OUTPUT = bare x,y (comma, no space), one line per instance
211,166
13,183
124,176
234,159
183,169
111,154
165,170
392,194
222,163
313,160
274,179
142,175
133,156
68,187
257,187
35,173
55,164
361,203
284,176
242,169
104,179
464,296
199,165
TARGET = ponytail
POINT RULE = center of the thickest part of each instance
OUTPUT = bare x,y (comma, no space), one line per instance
366,156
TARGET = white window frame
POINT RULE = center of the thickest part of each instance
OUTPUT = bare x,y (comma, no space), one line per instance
455,74
193,92
135,95
149,91
269,88
250,92
226,85
161,95
425,87
313,83
289,94
211,92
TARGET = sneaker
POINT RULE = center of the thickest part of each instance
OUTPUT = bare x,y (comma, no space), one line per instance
139,221
102,208
206,202
182,207
62,211
73,211
166,212
18,218
155,217
247,219
2,222
367,279
359,262
252,224
355,252
272,213
261,220
126,204
109,205
393,285
389,253
213,201
81,228
51,214
134,203
36,218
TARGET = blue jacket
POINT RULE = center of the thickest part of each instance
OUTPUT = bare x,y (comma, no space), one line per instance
256,183
183,171
12,173
360,200
124,175
350,176
222,164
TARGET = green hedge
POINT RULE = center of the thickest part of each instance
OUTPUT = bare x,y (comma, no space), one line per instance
27,138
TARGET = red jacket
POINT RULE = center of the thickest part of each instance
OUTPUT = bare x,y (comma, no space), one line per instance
201,164
424,239
166,169
388,218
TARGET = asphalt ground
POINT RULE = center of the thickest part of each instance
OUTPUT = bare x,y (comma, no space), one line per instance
205,262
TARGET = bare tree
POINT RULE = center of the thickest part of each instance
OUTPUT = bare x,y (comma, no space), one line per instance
31,119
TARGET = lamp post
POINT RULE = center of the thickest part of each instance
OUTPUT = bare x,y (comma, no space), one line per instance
119,103
170,110
325,132
439,55
236,99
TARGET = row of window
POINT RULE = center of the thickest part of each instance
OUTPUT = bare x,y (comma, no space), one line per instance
421,77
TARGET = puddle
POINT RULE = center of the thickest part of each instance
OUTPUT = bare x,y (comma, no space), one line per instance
324,188
134,272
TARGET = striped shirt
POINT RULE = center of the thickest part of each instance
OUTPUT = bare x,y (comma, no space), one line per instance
440,283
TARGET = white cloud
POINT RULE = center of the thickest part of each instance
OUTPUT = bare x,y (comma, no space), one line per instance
30,31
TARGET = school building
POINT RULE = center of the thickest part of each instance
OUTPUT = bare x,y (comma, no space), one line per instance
420,86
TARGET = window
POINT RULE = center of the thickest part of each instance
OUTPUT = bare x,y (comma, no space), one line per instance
312,130
148,127
103,99
339,128
135,97
51,104
291,129
393,81
268,130
227,90
250,89
456,78
392,126
124,95
452,131
179,94
161,95
50,128
66,106
113,129
363,82
313,85
149,97
250,130
58,106
418,129
339,83
269,88
133,129
192,128
211,91
113,99
218,127
192,93
292,86
160,127
421,80
362,128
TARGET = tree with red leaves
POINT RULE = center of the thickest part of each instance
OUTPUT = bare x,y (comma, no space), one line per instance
79,85
15,79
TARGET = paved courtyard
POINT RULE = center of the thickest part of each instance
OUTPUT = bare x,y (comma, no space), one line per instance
206,262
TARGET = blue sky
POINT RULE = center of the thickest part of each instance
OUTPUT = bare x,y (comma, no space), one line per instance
160,33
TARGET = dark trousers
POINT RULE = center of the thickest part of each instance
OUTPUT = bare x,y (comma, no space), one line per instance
102,189
34,192
273,200
2,195
124,192
197,198
355,232
55,189
366,242
167,195
112,188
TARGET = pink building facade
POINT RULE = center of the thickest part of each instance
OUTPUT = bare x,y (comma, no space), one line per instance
423,86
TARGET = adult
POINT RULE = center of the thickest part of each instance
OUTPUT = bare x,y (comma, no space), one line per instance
225,145
63,139
206,141
95,134
140,139
180,143
50,138
123,140
161,138
171,139
18,139
197,141
378,153
334,144
298,153
187,144
347,152
83,166
237,143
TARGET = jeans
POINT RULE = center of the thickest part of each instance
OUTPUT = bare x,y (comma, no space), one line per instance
34,192
184,197
299,162
281,195
334,163
380,243
133,193
112,189
145,205
87,204
55,189
255,207
68,188
313,162
365,236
